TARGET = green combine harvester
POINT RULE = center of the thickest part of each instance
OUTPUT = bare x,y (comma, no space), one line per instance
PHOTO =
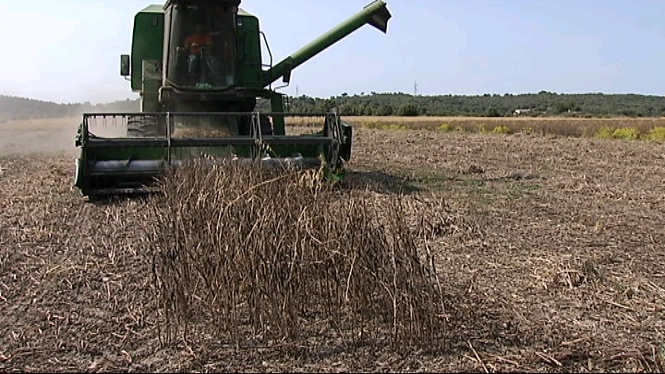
198,68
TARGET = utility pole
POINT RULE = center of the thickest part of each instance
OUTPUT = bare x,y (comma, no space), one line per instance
415,88
297,91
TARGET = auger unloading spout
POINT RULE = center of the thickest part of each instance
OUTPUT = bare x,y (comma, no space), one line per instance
375,14
199,69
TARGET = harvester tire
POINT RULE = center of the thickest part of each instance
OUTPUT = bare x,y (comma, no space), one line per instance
145,127
266,125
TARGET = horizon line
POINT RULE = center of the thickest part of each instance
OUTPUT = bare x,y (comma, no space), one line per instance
363,94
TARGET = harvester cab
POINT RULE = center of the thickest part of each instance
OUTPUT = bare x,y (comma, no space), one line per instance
199,71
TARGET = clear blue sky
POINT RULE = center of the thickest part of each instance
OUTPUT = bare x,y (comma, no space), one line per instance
68,50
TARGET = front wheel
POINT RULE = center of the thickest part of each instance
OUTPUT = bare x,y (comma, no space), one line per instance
266,125
146,127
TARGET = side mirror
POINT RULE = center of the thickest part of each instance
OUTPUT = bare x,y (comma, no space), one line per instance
287,73
124,65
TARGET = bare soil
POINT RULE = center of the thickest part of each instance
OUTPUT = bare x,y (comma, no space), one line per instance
44,136
555,262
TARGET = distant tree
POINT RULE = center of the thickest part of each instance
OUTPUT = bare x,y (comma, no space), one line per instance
385,110
408,110
560,107
493,112
347,110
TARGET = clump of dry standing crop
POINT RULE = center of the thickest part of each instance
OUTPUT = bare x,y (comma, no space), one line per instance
257,254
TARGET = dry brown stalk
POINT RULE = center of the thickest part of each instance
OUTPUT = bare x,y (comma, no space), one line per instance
244,248
549,359
477,357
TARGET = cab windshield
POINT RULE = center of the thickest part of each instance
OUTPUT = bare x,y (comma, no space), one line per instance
202,48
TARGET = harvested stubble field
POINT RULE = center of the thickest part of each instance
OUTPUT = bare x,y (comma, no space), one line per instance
548,250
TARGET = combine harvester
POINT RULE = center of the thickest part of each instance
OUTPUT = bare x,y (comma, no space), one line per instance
199,95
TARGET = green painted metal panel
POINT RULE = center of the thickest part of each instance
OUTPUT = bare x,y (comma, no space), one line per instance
250,70
277,106
181,153
147,41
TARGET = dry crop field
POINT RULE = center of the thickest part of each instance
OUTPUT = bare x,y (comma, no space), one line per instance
630,128
548,252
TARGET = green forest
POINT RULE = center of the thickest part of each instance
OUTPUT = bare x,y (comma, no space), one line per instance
396,104
540,104
17,108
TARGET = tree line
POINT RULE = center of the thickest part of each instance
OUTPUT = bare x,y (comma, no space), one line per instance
17,108
394,104
541,104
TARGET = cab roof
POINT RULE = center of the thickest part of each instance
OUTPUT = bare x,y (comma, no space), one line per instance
153,8
234,2
157,8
